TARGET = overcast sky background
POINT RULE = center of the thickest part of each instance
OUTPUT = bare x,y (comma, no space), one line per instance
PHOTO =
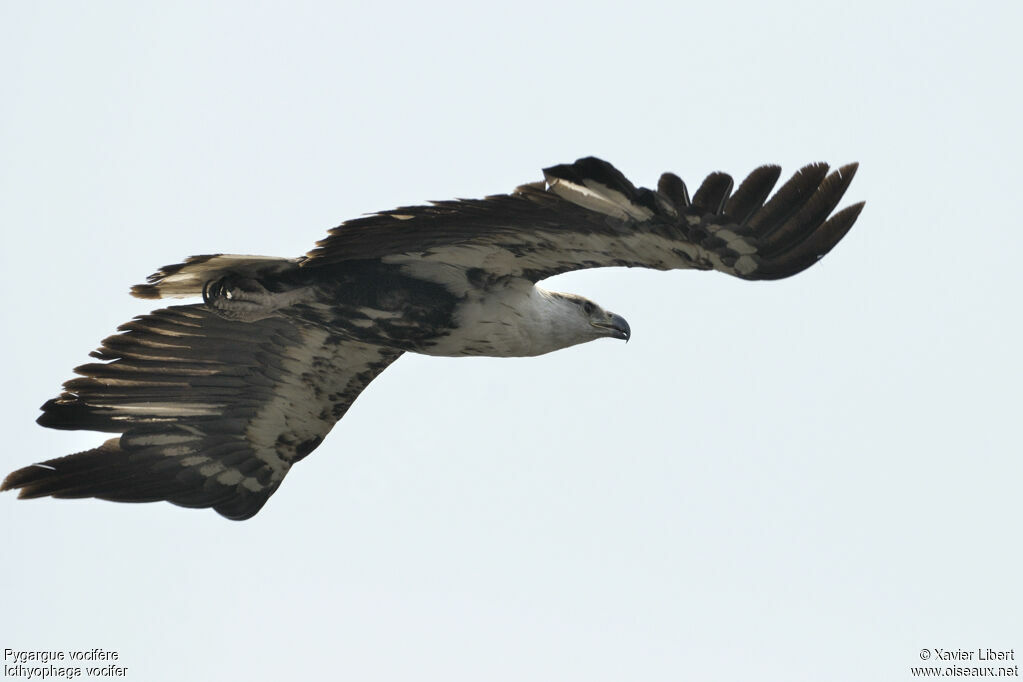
803,480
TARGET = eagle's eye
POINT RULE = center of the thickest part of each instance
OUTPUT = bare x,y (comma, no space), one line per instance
588,307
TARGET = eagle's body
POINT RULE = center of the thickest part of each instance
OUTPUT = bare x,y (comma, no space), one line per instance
215,401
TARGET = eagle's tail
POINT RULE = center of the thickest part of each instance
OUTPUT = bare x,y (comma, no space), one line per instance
187,279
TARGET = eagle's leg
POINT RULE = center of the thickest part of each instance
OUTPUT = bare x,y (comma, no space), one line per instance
236,297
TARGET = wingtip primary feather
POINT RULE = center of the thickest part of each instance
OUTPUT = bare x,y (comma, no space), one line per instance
22,479
674,190
808,214
812,249
847,217
713,193
752,193
109,473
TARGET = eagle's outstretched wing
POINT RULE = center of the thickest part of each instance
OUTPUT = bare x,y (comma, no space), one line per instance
211,413
587,215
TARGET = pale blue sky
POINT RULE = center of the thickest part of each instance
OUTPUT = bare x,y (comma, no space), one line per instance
804,480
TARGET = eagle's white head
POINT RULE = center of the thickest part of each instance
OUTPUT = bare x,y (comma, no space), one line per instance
522,319
569,319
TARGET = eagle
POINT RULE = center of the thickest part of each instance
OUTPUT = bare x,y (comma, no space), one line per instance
214,402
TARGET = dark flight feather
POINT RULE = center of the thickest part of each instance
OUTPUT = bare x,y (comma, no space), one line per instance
752,193
710,198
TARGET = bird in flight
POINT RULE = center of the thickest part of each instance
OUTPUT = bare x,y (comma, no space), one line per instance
213,402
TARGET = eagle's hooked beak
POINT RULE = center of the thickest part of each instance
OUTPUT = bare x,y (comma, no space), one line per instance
616,327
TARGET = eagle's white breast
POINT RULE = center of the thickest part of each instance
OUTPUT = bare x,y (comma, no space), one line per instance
518,319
